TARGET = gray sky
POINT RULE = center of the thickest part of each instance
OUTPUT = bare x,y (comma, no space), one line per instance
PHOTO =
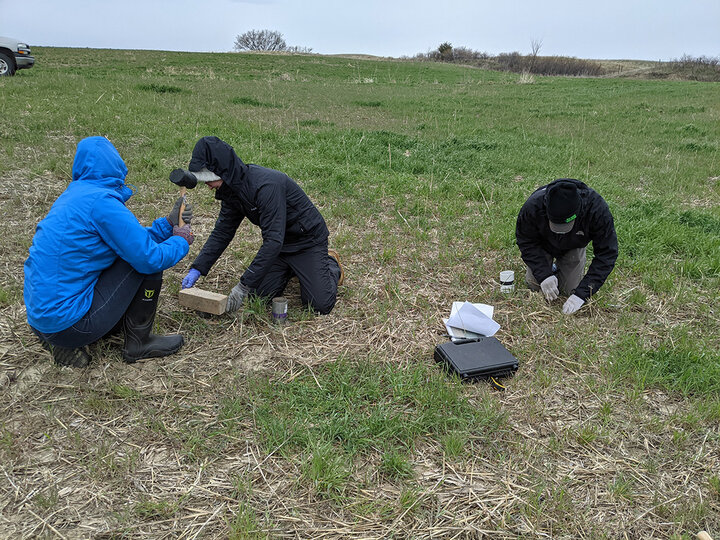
609,29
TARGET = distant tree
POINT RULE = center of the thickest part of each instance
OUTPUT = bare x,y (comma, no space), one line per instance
260,40
446,51
535,45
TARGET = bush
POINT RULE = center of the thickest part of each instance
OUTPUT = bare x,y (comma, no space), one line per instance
701,68
447,53
265,40
548,65
514,61
260,40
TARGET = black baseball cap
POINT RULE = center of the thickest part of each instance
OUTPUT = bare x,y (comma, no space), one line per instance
563,203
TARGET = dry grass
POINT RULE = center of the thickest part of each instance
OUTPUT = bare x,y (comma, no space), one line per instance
126,451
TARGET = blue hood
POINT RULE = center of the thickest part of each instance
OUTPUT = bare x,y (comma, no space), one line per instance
96,159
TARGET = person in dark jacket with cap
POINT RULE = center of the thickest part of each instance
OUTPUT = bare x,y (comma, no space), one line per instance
553,229
294,234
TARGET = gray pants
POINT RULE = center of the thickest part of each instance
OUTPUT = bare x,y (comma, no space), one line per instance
570,271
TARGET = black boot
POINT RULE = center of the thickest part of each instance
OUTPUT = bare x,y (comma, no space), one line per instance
78,357
140,342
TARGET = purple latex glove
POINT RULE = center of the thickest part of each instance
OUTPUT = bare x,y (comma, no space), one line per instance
191,278
186,232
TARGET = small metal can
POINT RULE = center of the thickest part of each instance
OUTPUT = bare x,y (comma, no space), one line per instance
507,281
280,309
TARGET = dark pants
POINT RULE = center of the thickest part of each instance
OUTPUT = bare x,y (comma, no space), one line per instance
317,272
570,271
112,295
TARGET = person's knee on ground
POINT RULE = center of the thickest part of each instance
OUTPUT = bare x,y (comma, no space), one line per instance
322,300
322,306
530,280
139,318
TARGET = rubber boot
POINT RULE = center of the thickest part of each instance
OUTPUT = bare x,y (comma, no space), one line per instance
78,357
140,342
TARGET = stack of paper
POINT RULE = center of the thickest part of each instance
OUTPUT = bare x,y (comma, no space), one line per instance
468,320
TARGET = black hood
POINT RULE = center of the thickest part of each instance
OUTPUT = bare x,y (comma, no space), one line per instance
218,157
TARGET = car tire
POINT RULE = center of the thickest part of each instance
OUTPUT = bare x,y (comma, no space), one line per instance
7,66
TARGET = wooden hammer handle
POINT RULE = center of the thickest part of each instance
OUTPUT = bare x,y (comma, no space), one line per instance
182,207
702,535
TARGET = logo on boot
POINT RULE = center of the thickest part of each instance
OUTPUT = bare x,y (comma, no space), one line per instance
149,293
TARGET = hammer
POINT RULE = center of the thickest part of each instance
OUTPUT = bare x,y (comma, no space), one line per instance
702,535
182,207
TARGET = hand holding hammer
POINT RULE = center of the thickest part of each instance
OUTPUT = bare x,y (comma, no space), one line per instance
180,218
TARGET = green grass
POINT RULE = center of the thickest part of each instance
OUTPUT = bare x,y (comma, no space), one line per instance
420,170
681,364
341,411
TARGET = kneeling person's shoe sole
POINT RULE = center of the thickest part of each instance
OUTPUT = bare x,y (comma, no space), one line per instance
335,255
78,358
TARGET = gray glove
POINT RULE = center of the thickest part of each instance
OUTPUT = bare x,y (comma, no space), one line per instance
549,288
173,217
236,297
572,304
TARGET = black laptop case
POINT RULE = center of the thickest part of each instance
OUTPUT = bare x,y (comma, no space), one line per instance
478,358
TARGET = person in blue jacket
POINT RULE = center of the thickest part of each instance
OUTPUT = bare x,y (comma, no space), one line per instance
93,266
294,234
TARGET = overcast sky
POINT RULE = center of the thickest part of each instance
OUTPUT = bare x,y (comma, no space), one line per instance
610,29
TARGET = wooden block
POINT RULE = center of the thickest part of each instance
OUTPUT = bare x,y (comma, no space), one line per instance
206,301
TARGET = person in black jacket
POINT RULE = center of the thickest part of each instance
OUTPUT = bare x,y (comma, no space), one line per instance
553,228
294,234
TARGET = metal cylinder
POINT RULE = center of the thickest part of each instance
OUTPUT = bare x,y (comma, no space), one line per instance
279,309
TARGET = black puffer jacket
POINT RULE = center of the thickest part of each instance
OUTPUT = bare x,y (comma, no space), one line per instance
269,199
593,224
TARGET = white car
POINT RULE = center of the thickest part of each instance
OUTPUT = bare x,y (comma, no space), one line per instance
14,55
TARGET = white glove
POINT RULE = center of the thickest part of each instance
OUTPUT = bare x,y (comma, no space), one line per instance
236,297
550,289
572,304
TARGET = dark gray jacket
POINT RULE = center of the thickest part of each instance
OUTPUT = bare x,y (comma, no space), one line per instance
270,199
593,224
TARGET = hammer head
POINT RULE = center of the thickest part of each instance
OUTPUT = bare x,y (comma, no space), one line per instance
183,178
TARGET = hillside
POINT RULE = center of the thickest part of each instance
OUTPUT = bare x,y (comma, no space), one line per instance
342,426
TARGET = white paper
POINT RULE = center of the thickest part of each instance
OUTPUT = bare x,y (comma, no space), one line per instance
485,308
458,333
468,317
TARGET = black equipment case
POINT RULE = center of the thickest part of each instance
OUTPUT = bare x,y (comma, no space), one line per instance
479,358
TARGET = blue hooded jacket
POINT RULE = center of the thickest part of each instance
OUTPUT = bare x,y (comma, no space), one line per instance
86,230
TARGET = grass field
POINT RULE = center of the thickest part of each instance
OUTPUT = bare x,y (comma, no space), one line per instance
342,426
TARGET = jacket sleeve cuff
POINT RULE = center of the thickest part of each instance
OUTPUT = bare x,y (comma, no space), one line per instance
582,292
164,226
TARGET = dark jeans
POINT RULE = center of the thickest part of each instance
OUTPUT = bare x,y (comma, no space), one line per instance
317,272
112,295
